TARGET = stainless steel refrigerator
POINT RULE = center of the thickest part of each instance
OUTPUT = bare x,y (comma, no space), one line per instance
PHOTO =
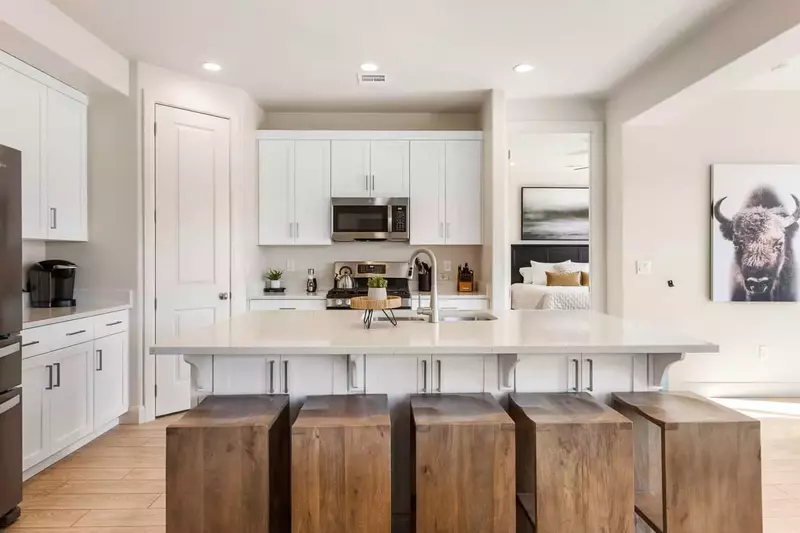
10,340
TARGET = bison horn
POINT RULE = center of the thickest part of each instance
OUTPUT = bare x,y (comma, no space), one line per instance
722,219
789,220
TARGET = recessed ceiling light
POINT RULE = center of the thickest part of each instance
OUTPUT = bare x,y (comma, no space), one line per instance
212,67
369,67
522,68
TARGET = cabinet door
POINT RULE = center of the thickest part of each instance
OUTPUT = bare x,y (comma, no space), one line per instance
287,305
71,400
246,374
397,375
35,410
23,102
110,378
275,192
312,186
350,173
604,374
427,192
389,169
66,168
464,199
304,375
458,373
547,373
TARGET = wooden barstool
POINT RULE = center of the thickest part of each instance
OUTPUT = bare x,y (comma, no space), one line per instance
574,464
463,453
697,463
341,465
228,466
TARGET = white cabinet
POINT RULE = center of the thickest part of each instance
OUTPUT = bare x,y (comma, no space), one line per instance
364,168
23,103
287,305
294,192
398,375
110,378
599,375
297,375
458,303
47,121
35,411
604,374
457,373
71,399
446,192
66,168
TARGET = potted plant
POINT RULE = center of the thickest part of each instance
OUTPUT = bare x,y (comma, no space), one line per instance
274,277
377,288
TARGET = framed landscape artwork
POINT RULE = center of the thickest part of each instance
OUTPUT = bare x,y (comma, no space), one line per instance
555,214
754,220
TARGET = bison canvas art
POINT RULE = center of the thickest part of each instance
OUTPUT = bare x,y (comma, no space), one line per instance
755,217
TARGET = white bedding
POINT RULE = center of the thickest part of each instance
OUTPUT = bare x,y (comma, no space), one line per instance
530,296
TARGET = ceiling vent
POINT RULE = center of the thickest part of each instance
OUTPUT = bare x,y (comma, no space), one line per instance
370,78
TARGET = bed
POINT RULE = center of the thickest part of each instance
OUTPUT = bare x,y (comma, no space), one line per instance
530,296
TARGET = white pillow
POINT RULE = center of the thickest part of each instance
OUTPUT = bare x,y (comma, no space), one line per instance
539,274
527,275
569,266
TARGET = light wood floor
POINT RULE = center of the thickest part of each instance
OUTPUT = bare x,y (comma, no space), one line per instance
116,484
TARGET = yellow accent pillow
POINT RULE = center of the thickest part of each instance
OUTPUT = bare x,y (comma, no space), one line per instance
585,279
563,279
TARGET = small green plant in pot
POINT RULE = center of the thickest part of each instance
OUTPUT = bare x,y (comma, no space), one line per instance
274,276
377,288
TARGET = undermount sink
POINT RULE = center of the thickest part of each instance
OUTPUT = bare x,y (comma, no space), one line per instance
460,317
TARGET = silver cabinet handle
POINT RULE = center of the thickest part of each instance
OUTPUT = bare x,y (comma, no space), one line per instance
286,377
7,406
32,343
441,229
447,231
291,233
287,309
296,230
117,323
49,377
99,360
13,348
577,371
75,333
590,388
438,375
53,218
272,377
58,374
424,375
373,182
223,296
366,182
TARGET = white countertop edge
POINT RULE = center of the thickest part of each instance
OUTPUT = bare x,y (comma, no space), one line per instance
449,295
288,296
103,310
437,350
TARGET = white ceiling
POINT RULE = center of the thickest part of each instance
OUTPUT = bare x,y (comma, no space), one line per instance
438,54
782,77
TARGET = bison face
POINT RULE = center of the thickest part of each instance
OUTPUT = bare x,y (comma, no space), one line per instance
759,237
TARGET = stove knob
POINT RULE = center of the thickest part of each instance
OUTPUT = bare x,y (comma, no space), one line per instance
338,302
347,302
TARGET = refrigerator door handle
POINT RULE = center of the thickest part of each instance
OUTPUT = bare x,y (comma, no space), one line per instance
10,404
9,350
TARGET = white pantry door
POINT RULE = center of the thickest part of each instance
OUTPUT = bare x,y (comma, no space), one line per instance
192,238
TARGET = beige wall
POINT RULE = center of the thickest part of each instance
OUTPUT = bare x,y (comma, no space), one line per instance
667,220
371,121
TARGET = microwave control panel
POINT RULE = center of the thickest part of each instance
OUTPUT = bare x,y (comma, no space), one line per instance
399,218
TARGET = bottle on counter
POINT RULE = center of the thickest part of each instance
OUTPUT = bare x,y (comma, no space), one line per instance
311,283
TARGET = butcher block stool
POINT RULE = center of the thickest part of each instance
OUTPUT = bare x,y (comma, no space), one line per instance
228,466
697,464
341,465
463,453
574,464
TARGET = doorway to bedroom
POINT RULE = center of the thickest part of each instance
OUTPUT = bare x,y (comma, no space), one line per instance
556,203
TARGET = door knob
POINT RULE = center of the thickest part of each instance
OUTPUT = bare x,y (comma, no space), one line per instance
223,296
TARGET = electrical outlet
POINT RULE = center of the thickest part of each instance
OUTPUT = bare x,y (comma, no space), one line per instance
445,276
763,352
644,268
448,266
290,265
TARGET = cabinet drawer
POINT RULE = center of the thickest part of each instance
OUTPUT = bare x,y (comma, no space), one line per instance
287,305
37,341
72,332
110,324
462,304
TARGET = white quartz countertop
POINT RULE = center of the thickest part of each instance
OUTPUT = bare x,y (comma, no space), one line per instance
319,295
452,294
343,332
36,317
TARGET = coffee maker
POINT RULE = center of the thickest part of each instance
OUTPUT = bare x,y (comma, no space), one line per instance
51,283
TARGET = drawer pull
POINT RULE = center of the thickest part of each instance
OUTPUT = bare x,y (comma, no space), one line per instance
287,309
58,374
25,345
76,333
49,377
117,323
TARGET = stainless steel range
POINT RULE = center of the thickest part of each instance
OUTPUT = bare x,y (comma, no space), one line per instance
352,278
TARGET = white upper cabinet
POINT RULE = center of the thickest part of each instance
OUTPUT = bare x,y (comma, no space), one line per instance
294,192
350,169
23,102
66,168
464,199
46,121
446,192
389,169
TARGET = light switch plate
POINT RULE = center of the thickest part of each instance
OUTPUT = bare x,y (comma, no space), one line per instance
290,265
763,352
644,268
448,266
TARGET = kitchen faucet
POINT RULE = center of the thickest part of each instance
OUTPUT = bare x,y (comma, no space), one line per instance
433,311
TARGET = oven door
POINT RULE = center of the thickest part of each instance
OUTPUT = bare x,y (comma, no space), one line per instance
360,219
10,363
10,450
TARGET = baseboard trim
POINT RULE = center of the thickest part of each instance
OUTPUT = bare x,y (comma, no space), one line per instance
136,415
53,459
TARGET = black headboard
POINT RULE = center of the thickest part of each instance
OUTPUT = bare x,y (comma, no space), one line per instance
523,254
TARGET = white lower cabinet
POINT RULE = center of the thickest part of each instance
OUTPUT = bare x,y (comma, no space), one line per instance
298,375
420,374
457,373
459,303
604,374
299,304
110,378
35,411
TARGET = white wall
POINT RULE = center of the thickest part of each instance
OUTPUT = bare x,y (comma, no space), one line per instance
372,121
555,110
667,220
32,252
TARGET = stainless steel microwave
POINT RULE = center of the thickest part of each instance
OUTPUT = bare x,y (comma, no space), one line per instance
370,219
